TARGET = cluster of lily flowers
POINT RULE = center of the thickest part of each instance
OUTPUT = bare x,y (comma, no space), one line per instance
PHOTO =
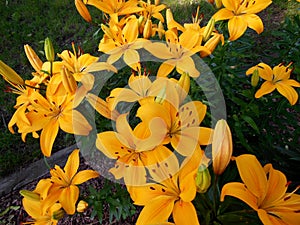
161,158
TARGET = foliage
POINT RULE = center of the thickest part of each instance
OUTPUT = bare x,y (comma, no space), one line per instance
113,196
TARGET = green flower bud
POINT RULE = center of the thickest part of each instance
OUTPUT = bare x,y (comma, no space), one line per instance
59,214
255,78
30,195
203,179
208,29
49,50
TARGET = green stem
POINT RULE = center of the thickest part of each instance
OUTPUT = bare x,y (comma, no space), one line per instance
51,64
46,163
215,194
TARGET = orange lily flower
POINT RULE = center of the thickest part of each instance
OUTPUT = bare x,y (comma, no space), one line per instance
64,184
184,132
52,113
242,14
77,62
177,53
276,78
134,149
173,195
264,190
123,41
115,8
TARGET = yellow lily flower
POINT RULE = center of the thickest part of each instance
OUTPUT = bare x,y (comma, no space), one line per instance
52,113
276,78
123,41
32,203
64,184
264,190
242,14
116,8
134,149
151,10
177,53
173,195
19,118
49,217
77,62
141,89
184,132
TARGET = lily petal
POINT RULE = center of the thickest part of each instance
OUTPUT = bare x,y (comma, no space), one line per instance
238,190
156,211
237,27
266,88
252,174
188,210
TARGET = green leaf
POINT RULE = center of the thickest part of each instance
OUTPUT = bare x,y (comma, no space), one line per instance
251,122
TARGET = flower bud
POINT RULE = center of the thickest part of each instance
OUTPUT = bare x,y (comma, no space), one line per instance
33,58
255,78
49,50
30,195
221,147
59,214
140,20
160,30
208,29
82,206
156,2
161,96
203,179
10,75
212,43
68,80
83,11
147,32
184,86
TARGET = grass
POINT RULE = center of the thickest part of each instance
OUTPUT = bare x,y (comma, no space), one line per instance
31,21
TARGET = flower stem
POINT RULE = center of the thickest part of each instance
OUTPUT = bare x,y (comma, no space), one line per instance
46,163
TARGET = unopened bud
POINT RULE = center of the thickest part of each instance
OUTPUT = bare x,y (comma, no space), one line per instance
208,29
140,20
183,86
83,11
156,2
33,58
10,75
160,30
68,80
212,43
49,50
255,78
161,95
221,147
82,206
147,32
30,195
59,214
203,179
